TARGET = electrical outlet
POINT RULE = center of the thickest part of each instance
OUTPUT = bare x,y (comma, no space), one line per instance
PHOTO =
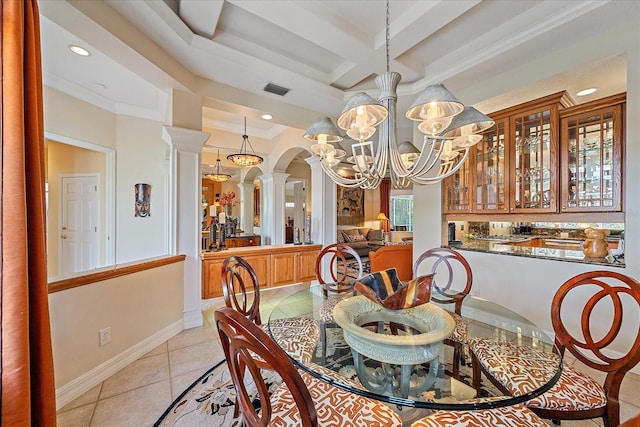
105,335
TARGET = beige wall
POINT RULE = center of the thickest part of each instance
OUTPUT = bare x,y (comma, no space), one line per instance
134,306
66,159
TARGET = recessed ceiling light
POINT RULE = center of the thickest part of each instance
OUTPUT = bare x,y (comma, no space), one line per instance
586,92
267,116
79,50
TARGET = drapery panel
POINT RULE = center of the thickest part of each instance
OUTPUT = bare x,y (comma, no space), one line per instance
28,388
385,200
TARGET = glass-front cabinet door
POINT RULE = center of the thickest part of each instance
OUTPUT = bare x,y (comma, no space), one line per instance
591,172
458,188
534,161
491,170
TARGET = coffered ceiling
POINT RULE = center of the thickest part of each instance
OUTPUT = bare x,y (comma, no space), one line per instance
490,53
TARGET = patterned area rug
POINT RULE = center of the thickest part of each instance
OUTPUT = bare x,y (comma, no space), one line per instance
210,400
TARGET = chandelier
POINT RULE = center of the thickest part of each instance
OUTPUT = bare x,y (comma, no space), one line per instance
244,158
219,174
450,130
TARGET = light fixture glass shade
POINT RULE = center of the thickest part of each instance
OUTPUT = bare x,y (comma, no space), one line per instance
219,174
360,116
434,102
244,158
324,132
466,125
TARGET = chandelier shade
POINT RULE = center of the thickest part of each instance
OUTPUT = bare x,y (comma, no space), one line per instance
244,158
361,115
219,174
466,126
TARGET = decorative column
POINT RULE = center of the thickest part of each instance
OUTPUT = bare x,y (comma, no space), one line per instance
273,209
246,206
323,205
184,204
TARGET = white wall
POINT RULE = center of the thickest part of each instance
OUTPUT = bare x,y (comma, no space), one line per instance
143,310
141,158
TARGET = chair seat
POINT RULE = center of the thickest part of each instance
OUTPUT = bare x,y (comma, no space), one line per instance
300,335
508,416
574,391
519,368
334,407
459,333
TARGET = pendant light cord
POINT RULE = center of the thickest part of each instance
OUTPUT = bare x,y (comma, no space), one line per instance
387,35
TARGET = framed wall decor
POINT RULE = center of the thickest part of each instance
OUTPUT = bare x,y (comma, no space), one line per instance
350,206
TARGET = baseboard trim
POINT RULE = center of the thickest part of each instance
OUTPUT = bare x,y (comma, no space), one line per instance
77,387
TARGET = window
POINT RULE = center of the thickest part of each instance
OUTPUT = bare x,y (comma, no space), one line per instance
401,212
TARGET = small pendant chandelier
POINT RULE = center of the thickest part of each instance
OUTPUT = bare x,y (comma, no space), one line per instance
219,174
243,158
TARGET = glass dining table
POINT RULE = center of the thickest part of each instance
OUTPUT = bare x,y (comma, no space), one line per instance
417,357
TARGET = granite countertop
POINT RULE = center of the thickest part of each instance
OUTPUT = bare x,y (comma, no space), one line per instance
510,247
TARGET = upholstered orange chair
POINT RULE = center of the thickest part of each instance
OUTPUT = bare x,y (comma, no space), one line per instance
576,395
305,400
399,257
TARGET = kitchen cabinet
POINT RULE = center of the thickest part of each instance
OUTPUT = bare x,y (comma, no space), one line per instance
241,241
275,265
592,140
514,168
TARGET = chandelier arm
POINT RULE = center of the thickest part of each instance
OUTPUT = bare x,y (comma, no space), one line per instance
338,179
422,180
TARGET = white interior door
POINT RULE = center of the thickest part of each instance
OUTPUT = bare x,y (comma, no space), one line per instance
79,224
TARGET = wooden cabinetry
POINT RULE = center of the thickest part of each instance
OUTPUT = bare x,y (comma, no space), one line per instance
274,265
592,140
241,241
514,168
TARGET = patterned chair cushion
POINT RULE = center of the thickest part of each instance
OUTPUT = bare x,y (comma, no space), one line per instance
508,416
574,391
519,368
334,407
300,334
459,334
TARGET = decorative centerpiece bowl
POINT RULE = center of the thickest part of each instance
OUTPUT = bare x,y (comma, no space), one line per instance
384,287
420,340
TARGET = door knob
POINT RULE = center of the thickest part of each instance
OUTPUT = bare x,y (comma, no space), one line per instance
64,236
64,228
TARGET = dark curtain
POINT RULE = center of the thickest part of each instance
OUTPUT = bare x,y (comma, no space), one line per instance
28,389
385,200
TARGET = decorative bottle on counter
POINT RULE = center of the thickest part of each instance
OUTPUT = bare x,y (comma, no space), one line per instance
595,246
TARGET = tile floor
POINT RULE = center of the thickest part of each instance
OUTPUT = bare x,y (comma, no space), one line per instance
138,394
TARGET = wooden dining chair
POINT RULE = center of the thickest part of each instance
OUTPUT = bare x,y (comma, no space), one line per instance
574,308
452,282
241,290
399,257
303,399
338,267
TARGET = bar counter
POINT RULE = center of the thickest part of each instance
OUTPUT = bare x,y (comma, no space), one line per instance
517,249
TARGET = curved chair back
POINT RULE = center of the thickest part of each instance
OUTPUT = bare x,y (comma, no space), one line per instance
399,257
593,293
453,278
240,280
338,267
242,340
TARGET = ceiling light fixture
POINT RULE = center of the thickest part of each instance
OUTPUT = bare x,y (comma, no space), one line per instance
267,116
450,130
78,50
219,174
586,92
244,158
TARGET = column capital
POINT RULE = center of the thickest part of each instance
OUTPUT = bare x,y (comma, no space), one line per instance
246,185
274,177
314,162
183,139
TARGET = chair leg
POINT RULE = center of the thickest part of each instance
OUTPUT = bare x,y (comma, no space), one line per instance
477,374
